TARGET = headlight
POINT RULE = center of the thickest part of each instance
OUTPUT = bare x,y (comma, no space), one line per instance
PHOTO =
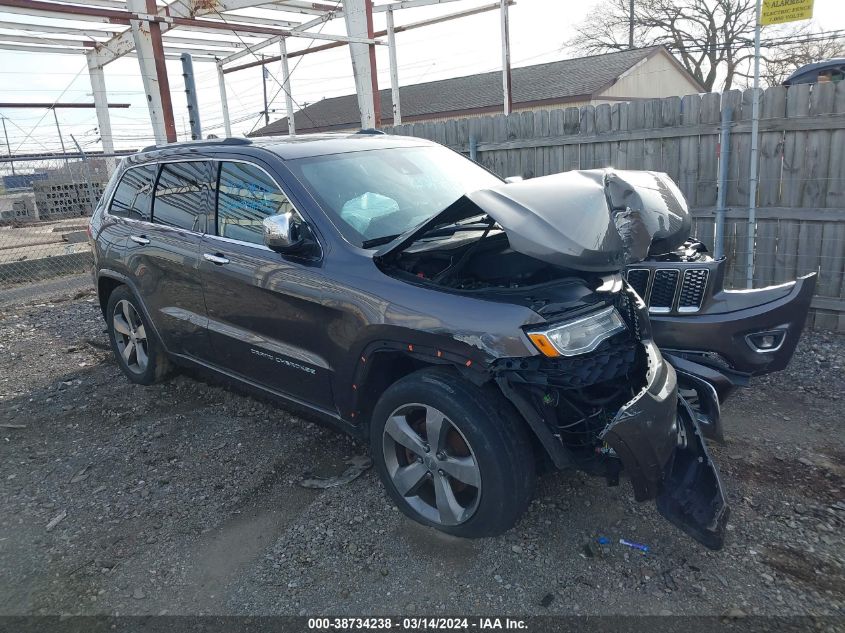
578,336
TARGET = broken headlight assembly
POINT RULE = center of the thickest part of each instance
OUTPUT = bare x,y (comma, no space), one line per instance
578,336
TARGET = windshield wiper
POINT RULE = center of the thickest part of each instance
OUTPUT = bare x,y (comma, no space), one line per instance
378,241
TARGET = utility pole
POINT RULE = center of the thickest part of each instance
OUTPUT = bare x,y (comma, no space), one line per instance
191,93
59,130
8,147
507,86
631,24
264,85
752,177
394,70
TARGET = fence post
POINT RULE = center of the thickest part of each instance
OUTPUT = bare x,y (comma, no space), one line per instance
721,191
473,148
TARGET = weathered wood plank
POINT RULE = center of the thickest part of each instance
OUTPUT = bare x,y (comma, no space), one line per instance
555,129
710,113
740,152
571,127
652,145
588,131
619,123
836,170
765,252
688,149
602,154
772,105
794,147
670,151
635,148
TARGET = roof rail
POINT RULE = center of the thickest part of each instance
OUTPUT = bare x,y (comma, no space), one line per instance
202,143
369,130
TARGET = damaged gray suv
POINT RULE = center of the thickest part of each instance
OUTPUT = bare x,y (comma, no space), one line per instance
474,333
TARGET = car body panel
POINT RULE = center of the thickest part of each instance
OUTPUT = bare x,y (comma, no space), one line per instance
595,220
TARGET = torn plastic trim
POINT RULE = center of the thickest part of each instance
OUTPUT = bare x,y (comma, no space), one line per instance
691,496
644,432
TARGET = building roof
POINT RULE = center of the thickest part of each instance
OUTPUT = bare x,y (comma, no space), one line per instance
550,83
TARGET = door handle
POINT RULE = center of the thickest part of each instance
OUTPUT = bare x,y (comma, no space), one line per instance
139,239
215,259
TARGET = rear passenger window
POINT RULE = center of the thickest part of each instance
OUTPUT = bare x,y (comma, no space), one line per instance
182,195
134,194
245,196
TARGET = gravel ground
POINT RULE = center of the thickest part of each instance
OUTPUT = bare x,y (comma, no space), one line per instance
184,498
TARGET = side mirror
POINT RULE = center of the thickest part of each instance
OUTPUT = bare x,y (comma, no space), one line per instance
284,233
512,179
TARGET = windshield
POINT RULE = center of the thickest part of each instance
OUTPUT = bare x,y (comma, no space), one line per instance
377,194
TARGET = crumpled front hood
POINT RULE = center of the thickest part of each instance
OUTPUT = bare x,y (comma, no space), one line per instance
593,220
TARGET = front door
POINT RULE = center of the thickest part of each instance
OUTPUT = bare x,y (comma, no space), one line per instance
263,321
163,256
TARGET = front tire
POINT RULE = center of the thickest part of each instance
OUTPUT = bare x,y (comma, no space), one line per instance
137,350
452,455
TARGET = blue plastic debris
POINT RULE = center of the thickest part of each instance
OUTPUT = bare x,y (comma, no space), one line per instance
603,540
639,546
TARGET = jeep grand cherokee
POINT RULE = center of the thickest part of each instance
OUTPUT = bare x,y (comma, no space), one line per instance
472,332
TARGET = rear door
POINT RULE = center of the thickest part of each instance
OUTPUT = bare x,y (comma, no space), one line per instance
264,322
163,255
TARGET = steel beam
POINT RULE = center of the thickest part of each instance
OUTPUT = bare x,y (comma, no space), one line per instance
224,103
359,23
394,70
29,39
299,6
408,4
98,87
63,30
46,105
283,50
342,39
151,61
398,29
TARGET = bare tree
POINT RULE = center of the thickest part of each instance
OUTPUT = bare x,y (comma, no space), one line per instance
713,39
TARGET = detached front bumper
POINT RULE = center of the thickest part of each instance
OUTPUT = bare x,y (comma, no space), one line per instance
657,439
654,438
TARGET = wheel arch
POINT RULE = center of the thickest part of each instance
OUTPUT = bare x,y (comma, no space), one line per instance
381,363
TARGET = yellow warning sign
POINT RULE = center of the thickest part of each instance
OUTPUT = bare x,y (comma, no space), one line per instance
780,11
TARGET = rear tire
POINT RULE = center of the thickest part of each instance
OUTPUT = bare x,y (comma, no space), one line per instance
452,455
136,348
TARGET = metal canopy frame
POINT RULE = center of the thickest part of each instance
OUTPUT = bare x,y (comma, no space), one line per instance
145,29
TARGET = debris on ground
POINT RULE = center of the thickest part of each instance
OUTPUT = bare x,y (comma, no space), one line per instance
357,466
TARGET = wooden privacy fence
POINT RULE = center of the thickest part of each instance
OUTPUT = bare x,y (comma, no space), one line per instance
801,197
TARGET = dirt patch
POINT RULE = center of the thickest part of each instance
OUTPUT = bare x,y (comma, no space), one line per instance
807,568
816,476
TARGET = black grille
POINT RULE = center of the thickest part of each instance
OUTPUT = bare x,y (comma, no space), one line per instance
692,289
638,278
611,360
624,303
663,290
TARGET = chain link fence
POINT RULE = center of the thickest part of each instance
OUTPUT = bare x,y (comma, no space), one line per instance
45,205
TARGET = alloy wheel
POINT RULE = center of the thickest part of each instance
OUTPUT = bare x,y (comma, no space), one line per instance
130,336
431,464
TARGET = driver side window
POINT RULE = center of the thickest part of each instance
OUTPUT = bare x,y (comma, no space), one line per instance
246,195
